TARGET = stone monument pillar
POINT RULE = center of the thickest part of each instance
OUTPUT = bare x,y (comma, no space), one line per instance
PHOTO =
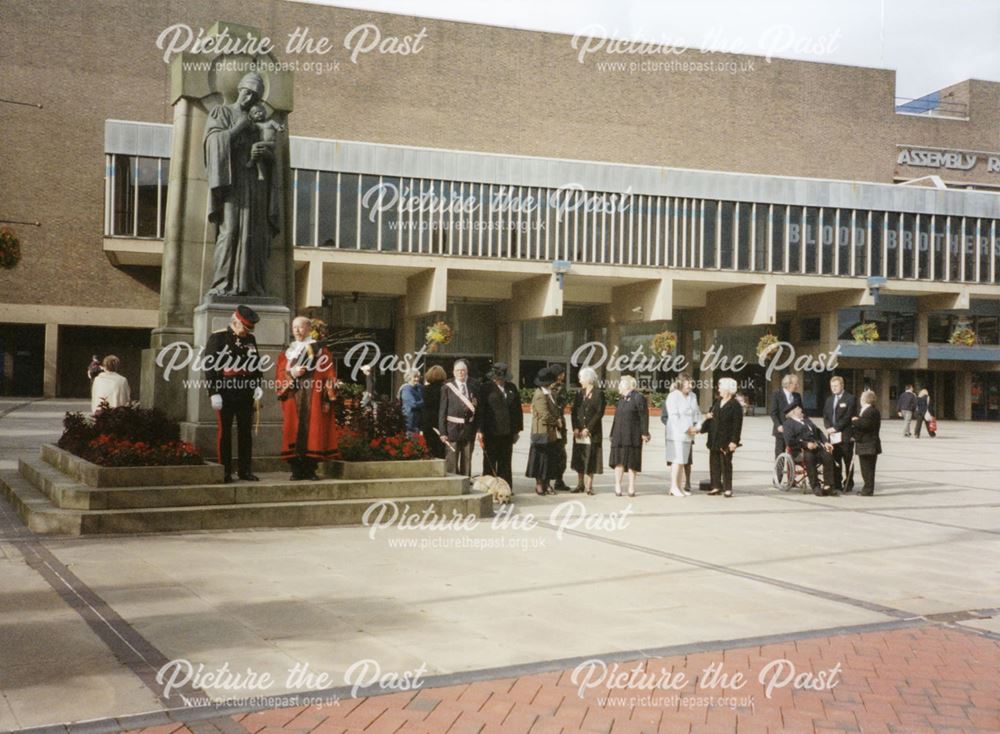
228,237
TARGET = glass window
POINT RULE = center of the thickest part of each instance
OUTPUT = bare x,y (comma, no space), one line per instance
147,180
810,238
711,224
922,250
939,242
760,238
988,330
827,238
843,225
891,245
694,232
939,328
389,211
348,211
778,238
123,220
795,239
809,330
305,206
743,236
327,210
726,229
969,247
907,238
164,180
984,251
876,229
954,247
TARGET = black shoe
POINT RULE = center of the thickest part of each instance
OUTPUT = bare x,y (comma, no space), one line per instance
249,477
227,479
561,487
576,490
311,477
867,493
818,492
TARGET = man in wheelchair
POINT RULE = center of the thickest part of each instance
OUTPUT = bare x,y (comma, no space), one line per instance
809,445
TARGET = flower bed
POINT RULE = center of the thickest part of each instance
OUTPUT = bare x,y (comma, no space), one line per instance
355,447
127,436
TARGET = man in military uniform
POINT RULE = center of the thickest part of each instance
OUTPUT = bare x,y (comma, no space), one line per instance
234,381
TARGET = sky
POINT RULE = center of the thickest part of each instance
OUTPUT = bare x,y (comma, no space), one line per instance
930,43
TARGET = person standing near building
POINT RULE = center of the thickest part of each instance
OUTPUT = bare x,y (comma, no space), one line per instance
802,435
629,432
306,384
562,400
434,378
838,413
906,406
682,423
234,379
724,426
500,421
923,414
867,444
546,422
110,387
457,420
411,395
587,416
94,369
781,401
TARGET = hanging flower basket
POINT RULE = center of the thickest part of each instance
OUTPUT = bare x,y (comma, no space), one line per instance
664,343
963,336
10,248
437,334
319,330
865,333
766,346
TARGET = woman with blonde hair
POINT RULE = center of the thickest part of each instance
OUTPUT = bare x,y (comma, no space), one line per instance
629,431
110,388
923,413
588,412
682,421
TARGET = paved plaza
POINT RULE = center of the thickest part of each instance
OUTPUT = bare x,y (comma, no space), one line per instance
886,607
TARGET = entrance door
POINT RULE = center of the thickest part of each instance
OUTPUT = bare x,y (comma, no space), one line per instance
986,396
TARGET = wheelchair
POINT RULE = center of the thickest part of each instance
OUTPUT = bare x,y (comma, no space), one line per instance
790,473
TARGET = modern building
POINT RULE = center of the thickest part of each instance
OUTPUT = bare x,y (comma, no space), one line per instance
534,197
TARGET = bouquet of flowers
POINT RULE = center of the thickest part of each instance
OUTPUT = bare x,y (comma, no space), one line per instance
319,330
10,248
664,342
437,334
766,344
962,336
865,333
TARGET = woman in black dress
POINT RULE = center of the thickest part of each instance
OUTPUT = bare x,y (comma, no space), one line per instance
546,425
588,412
428,418
867,444
724,426
629,431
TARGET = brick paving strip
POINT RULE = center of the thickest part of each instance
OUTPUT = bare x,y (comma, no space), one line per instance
908,678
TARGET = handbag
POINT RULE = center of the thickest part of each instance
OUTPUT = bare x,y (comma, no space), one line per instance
539,439
932,425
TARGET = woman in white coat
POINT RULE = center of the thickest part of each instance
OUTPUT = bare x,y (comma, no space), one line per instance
683,423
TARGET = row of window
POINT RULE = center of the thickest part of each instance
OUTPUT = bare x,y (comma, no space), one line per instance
364,212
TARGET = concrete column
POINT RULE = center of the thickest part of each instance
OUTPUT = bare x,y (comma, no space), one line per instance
886,405
706,389
406,328
921,337
614,339
963,395
508,348
50,373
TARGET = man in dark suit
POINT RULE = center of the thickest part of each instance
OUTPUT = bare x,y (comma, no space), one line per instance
840,408
457,420
499,420
781,401
234,381
802,435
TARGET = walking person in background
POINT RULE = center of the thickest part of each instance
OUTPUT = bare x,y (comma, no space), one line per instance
435,378
724,426
562,400
110,387
781,401
588,412
629,431
411,394
905,407
867,444
923,414
457,420
840,409
500,422
682,420
546,422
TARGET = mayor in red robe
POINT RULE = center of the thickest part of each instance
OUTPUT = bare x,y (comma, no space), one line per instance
306,383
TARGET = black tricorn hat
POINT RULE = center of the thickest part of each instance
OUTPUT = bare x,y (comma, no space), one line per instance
544,378
246,316
795,404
